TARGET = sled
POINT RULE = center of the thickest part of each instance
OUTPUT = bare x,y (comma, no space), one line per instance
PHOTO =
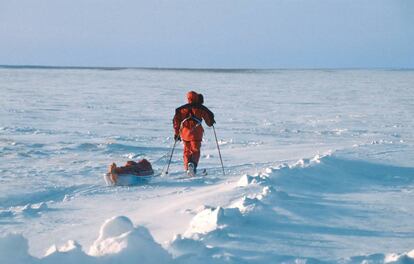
127,179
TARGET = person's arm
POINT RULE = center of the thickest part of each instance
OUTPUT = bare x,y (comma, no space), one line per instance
208,116
177,122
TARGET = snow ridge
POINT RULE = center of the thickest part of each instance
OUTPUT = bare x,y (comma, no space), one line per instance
266,212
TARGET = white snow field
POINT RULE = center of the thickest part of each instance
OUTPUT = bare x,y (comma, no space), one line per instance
319,167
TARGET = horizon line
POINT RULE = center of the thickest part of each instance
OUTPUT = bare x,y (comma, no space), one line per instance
229,69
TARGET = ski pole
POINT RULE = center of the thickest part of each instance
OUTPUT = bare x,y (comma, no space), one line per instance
218,148
169,161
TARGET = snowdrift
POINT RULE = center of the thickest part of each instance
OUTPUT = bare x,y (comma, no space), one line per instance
280,206
333,174
118,242
288,204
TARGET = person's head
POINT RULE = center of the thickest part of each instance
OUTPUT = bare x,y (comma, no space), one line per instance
192,97
200,99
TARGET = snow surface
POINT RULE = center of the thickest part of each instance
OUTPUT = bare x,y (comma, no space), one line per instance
319,167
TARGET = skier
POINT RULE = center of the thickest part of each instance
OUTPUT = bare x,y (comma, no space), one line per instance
187,127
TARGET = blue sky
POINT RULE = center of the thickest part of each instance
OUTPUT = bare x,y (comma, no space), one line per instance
208,33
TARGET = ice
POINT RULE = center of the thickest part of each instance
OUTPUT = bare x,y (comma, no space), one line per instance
28,210
180,246
69,246
118,241
245,180
319,167
211,219
14,249
70,252
112,227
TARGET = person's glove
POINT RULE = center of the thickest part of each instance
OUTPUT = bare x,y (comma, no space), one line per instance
177,138
212,123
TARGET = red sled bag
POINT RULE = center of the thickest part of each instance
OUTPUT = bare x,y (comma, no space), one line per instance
131,174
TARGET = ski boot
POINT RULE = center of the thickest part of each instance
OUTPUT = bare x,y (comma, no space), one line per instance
191,170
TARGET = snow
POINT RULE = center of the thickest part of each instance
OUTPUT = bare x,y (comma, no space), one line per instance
28,210
14,249
319,167
118,241
127,180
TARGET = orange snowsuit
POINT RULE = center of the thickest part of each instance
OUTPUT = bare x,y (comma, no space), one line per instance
187,124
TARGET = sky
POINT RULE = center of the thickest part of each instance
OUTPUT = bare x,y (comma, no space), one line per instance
208,33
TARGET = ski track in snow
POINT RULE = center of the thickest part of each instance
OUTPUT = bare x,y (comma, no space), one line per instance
314,174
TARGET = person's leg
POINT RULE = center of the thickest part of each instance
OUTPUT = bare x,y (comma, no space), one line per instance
187,153
195,152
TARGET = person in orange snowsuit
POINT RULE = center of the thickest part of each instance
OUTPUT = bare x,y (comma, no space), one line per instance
187,127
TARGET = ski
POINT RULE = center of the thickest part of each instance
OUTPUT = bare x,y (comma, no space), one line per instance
200,175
